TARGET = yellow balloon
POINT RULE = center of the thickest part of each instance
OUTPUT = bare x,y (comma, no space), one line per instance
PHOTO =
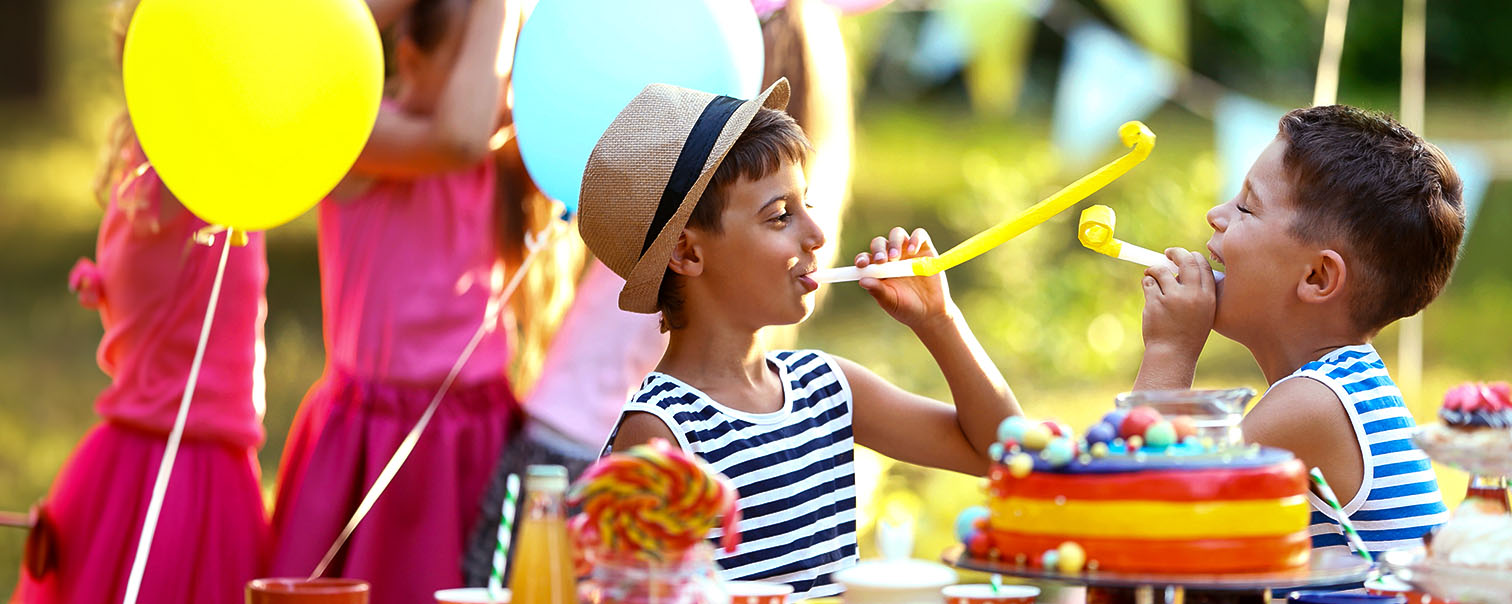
251,112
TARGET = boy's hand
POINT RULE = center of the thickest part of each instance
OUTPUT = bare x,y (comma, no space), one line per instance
1179,306
912,301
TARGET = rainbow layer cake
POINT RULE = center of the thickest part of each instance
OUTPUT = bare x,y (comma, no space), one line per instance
1140,493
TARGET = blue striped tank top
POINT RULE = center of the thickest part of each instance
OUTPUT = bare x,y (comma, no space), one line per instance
793,470
1398,501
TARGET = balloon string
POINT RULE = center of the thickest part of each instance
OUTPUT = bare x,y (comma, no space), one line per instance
165,469
491,316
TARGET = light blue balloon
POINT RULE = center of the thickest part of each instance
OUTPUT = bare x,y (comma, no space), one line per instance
579,62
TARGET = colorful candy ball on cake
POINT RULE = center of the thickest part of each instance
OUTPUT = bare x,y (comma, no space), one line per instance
1101,432
1160,435
966,521
979,544
1115,417
1060,451
1012,428
1020,465
1070,557
1056,428
1185,427
1137,421
653,502
1036,437
1099,450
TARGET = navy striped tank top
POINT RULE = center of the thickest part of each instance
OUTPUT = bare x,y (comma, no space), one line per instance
792,468
1398,501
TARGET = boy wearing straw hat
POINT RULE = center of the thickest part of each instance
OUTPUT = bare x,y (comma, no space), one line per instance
1347,222
698,201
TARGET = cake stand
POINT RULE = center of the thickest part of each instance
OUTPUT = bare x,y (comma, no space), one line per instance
1325,568
1483,457
1487,457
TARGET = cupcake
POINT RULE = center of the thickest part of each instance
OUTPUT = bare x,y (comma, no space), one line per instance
1478,405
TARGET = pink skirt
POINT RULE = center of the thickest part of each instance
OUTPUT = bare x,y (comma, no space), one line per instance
411,543
212,535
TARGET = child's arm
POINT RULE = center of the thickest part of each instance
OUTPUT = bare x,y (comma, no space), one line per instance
456,135
914,428
1305,417
1178,314
639,428
387,12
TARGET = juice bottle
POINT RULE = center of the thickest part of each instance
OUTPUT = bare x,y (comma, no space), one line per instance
542,571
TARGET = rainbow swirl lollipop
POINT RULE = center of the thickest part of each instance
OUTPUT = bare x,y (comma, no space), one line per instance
653,503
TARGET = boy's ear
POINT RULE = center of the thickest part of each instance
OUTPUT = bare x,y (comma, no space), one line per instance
1325,278
687,257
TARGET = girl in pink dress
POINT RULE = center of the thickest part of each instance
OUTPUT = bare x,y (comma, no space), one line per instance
408,260
151,284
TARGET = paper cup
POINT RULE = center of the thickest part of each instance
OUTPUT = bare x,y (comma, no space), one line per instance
981,593
305,591
470,595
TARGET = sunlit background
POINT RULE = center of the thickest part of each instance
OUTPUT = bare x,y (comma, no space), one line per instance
966,112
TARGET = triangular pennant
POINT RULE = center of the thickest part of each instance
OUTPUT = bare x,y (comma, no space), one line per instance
1474,170
1159,25
1105,80
1243,127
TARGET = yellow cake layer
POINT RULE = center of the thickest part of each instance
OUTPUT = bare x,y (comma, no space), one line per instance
1150,519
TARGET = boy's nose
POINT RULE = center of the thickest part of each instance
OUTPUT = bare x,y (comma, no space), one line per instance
1216,219
814,238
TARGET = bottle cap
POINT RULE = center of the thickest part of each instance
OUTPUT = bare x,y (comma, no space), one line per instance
546,478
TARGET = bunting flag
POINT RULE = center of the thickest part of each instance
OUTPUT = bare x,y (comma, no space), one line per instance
1474,170
988,39
1242,127
1159,25
1105,80
943,48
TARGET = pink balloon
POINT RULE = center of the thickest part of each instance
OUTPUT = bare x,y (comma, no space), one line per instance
856,7
765,8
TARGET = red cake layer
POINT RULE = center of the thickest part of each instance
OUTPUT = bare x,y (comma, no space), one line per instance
1248,554
1220,484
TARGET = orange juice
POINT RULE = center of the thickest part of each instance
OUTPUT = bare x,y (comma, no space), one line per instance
542,571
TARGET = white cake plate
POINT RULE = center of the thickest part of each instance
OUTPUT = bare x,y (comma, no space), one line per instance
1463,584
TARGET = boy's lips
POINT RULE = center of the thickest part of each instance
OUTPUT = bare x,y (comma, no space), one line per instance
808,283
1215,257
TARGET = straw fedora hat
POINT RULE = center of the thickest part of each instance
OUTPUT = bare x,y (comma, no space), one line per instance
647,172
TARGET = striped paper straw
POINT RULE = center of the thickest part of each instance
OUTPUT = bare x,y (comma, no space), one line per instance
506,530
1349,532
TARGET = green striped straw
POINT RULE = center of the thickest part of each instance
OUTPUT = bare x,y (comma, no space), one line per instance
1349,532
506,531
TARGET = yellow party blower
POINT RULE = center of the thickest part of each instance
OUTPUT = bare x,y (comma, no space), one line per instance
1095,231
1133,134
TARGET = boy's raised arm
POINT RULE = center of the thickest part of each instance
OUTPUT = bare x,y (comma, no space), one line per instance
914,428
1178,314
